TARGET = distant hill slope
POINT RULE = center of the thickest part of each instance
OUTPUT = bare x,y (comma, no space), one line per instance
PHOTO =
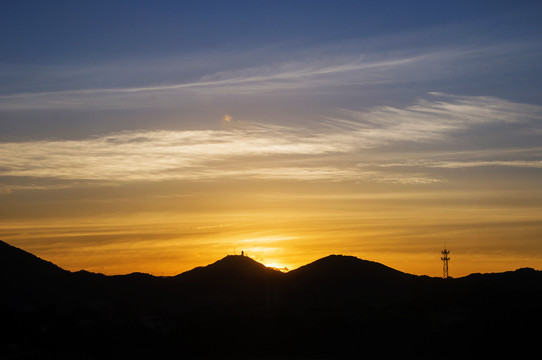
25,277
19,263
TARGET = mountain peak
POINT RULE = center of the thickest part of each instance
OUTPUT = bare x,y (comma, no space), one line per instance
345,268
238,259
232,267
237,263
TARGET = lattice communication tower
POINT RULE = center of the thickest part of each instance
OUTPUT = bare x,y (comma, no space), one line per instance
445,259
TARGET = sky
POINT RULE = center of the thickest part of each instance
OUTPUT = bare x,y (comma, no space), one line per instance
157,136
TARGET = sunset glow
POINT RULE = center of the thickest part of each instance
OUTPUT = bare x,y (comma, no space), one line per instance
287,142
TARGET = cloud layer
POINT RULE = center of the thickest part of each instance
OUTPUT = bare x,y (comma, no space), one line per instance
322,70
336,151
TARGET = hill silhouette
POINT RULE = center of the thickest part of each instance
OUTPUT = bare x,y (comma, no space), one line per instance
337,306
25,276
338,270
26,266
231,268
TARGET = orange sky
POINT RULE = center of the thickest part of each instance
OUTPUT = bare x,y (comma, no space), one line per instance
281,223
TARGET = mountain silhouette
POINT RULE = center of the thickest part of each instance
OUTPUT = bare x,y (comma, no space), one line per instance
341,280
26,277
18,263
231,268
337,306
341,268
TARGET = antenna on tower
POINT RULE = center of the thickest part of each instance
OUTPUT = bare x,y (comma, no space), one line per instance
445,259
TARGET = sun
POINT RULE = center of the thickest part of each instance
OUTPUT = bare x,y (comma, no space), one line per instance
277,266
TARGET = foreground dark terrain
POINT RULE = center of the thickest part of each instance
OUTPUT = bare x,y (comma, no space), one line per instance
338,306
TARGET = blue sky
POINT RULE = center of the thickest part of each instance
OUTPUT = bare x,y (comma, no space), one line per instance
65,31
422,118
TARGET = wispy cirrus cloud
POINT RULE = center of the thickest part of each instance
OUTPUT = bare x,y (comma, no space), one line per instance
455,164
315,71
433,119
335,152
270,78
251,152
